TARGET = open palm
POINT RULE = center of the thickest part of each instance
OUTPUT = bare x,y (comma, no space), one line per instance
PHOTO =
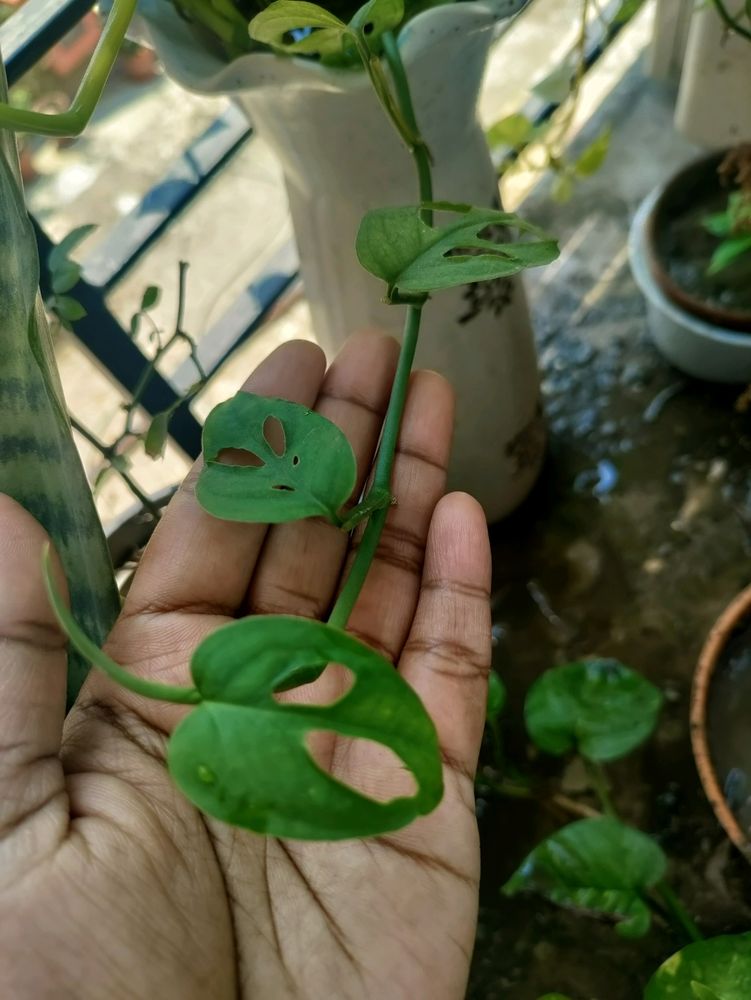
112,885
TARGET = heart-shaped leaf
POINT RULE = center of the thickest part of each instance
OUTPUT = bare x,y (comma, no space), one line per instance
414,259
311,472
242,756
716,969
598,707
599,866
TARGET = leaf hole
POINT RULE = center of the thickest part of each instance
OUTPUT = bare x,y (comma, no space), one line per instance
284,488
273,432
325,688
367,29
240,456
295,459
366,766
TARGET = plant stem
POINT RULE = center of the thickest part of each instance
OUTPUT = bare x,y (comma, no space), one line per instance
419,150
599,782
382,477
108,453
138,685
678,911
73,121
371,536
730,21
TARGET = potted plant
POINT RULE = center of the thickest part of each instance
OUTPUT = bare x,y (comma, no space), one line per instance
690,250
301,465
341,157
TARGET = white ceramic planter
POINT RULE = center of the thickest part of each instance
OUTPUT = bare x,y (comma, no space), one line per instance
672,19
694,346
341,157
714,100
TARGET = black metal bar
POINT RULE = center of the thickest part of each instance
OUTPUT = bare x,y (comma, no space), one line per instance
130,237
33,29
100,332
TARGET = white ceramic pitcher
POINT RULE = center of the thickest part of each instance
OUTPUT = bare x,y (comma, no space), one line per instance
342,157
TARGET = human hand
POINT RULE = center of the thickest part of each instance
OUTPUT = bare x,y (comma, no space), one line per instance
112,885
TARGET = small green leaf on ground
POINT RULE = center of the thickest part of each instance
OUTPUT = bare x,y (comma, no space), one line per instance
270,461
414,259
496,696
599,708
716,969
242,756
599,866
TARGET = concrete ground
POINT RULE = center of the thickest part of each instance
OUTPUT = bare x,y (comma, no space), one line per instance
141,129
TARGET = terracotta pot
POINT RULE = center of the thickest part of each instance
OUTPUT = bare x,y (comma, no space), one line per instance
736,614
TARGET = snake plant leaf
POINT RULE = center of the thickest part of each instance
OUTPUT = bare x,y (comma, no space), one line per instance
599,708
39,463
242,757
716,969
599,866
278,23
413,258
311,472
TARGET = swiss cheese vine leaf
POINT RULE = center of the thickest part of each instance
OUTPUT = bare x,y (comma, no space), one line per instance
278,23
297,27
716,969
312,471
414,258
599,866
242,756
597,707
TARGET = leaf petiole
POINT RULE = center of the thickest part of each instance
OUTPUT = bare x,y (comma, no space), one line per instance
91,652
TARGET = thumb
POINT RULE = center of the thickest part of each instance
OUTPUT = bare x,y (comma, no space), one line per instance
32,671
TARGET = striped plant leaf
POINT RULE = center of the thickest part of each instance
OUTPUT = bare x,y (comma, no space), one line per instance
39,463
